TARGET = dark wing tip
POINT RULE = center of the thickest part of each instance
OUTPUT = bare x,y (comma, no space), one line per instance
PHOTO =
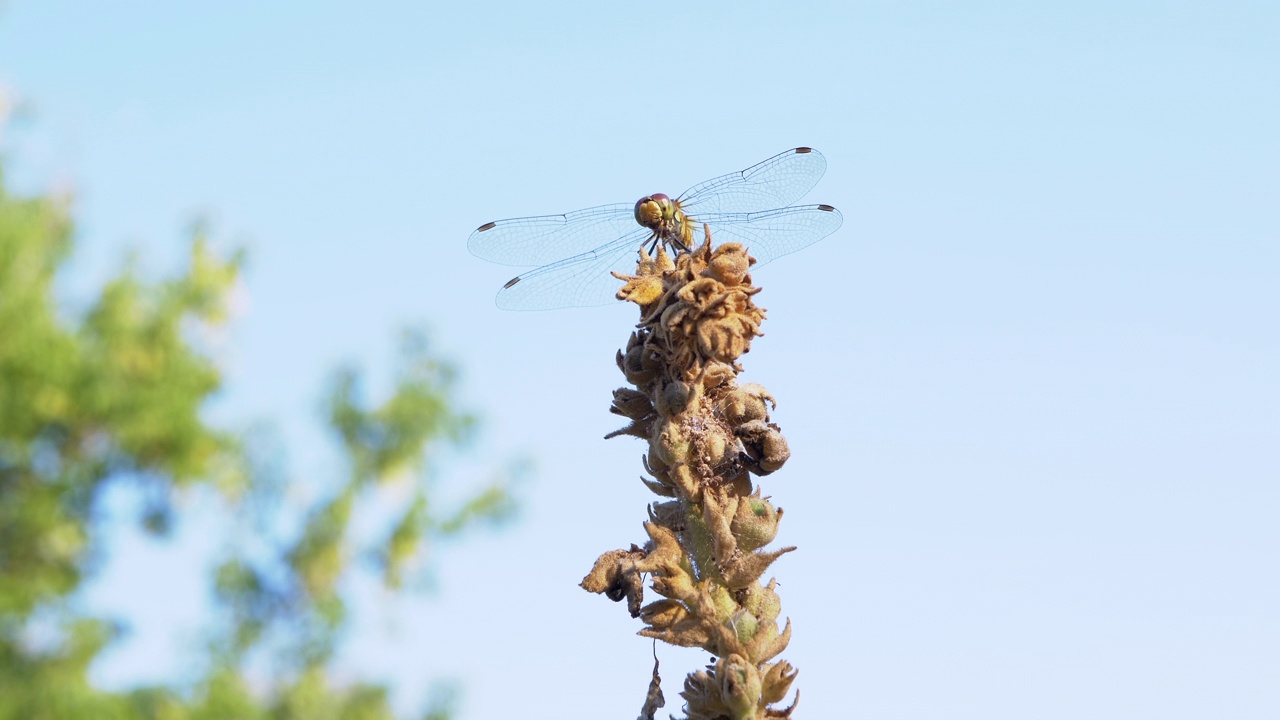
827,208
803,150
511,282
487,226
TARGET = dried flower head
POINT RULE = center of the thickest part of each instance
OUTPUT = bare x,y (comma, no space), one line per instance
706,437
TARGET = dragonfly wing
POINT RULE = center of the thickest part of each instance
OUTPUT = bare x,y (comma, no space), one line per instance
771,234
579,281
547,238
777,182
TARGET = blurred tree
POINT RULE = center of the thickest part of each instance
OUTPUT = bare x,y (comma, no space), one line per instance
114,394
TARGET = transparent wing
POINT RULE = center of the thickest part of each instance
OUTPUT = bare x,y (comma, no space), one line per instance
585,279
580,281
547,238
777,182
771,234
597,240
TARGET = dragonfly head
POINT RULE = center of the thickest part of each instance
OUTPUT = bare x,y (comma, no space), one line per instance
654,211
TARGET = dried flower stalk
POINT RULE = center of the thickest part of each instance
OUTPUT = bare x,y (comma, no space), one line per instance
707,435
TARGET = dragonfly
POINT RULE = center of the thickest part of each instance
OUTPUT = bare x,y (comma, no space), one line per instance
576,252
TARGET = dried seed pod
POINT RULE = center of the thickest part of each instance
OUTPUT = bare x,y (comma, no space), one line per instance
643,291
654,463
716,374
730,264
616,574
676,585
744,404
768,642
645,287
672,446
674,398
702,697
631,403
669,515
702,293
663,614
763,602
740,686
744,625
715,445
755,523
666,551
635,368
765,444
776,682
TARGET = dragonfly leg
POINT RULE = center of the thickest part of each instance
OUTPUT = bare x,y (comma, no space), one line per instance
680,239
653,243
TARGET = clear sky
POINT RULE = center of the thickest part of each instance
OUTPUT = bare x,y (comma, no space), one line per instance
1030,386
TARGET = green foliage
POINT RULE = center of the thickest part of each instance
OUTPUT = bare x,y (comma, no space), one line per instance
84,402
114,394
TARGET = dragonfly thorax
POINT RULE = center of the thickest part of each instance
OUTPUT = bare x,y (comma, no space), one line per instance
663,216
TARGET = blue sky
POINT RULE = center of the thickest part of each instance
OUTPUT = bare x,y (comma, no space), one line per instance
1030,385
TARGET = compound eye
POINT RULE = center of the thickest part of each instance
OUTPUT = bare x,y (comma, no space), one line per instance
649,210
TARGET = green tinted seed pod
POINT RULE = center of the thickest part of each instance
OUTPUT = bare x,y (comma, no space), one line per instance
755,524
767,606
740,686
672,446
744,625
723,602
717,446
